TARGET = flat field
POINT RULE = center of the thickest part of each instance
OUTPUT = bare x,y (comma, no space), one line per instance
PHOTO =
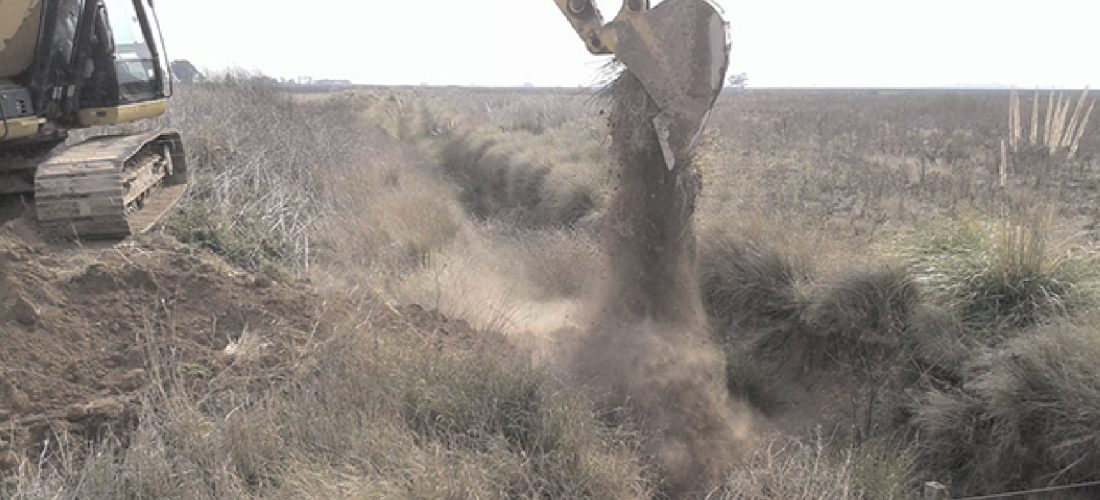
897,286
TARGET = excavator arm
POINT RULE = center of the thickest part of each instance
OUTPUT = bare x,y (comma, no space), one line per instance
679,50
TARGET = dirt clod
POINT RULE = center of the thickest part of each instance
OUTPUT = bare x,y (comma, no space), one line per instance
23,311
80,326
263,281
11,398
9,461
128,381
107,409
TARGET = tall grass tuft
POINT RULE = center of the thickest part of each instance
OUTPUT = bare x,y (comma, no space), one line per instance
1056,140
1000,277
1020,281
1029,418
818,468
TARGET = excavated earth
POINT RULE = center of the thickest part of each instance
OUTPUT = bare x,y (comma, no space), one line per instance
84,329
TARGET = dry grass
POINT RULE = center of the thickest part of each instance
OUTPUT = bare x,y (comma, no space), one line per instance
260,160
1027,418
368,416
816,468
482,204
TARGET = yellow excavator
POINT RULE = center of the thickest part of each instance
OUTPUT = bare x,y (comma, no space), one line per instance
679,51
74,64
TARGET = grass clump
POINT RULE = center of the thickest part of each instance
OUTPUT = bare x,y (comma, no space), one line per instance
500,181
815,468
748,284
1019,282
1001,278
1030,417
872,308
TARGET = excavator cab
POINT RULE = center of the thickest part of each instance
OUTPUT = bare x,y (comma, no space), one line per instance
71,64
91,62
128,64
679,50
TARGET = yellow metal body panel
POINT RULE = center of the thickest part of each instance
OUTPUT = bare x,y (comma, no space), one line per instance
20,128
127,113
19,20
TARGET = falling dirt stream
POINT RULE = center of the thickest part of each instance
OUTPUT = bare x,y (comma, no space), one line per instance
647,345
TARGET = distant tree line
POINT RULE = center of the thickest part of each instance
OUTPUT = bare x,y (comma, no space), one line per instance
739,80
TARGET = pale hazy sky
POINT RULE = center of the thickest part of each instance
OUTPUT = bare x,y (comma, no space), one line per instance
871,43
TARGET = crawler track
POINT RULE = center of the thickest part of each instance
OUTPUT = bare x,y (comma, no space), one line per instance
110,187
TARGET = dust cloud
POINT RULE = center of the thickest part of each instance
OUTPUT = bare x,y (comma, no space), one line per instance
645,344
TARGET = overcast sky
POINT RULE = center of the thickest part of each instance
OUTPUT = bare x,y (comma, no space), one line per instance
867,43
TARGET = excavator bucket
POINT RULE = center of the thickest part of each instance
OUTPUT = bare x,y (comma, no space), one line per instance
679,50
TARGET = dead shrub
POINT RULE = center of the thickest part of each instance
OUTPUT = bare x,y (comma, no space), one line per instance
258,158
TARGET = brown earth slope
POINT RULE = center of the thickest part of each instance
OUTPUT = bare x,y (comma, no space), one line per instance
76,324
80,327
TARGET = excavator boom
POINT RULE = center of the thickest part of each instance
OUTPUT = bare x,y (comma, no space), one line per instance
679,50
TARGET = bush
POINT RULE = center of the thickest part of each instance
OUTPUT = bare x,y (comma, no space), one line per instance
246,242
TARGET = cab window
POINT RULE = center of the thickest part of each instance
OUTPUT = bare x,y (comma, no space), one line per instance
135,65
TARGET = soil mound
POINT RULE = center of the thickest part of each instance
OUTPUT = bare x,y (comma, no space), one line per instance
86,328
77,325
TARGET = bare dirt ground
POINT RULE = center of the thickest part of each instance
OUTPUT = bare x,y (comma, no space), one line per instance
78,323
82,326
